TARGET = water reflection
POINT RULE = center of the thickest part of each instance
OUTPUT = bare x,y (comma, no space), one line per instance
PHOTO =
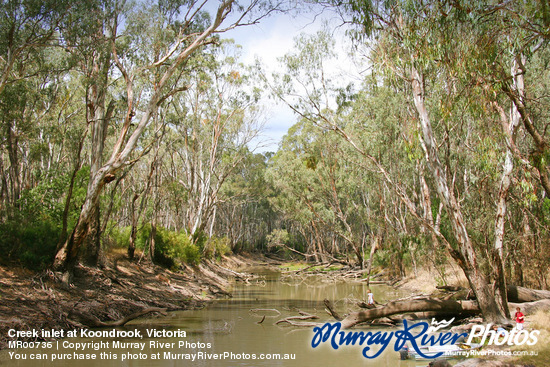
229,326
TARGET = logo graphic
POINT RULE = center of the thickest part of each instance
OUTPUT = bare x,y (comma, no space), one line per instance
422,337
501,336
439,325
331,333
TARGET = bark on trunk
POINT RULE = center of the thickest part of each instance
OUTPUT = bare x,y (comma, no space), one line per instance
66,256
373,248
124,146
152,236
465,256
93,239
133,231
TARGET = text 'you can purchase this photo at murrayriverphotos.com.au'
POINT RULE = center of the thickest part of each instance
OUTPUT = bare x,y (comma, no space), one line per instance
83,344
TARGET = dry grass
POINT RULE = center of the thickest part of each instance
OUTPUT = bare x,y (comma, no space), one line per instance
538,321
427,279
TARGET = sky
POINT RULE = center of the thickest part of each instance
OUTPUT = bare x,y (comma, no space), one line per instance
271,39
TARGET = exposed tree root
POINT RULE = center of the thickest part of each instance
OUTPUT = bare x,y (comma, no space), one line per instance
92,321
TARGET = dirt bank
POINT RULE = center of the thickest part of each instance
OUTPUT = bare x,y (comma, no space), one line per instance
39,301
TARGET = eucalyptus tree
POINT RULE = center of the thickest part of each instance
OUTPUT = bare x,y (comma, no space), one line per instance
29,66
26,27
445,55
361,119
418,52
174,32
244,214
214,121
292,174
321,186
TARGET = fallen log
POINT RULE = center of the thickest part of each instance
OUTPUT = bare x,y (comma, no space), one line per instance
365,305
445,307
450,288
522,294
303,324
530,308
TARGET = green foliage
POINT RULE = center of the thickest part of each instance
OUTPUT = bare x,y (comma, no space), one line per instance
30,244
119,237
277,238
172,248
216,247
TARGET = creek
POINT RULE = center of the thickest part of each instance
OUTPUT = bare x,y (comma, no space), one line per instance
230,330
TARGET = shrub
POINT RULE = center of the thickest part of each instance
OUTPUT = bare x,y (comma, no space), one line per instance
31,244
172,248
216,247
119,237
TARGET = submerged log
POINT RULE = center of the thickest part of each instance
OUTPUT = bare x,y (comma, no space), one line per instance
443,307
290,318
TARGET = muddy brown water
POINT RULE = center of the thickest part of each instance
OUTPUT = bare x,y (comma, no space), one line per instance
231,330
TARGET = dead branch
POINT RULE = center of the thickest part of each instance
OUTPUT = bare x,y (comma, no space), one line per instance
332,311
300,324
288,319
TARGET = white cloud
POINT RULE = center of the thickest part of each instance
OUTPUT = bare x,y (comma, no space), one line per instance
271,39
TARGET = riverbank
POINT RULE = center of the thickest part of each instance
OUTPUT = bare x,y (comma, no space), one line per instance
537,317
452,284
40,301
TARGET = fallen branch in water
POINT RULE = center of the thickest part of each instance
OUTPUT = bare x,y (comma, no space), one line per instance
300,324
288,319
332,311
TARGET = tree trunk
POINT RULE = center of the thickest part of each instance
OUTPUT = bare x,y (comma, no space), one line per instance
66,256
64,225
93,239
133,231
14,172
124,146
465,256
373,248
152,237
